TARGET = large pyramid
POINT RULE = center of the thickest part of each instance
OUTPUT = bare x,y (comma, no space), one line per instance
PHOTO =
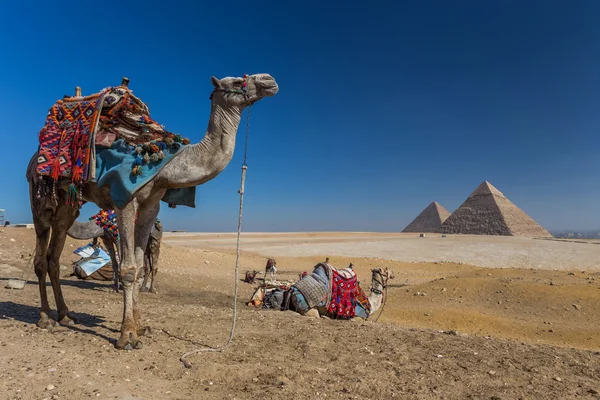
488,212
430,219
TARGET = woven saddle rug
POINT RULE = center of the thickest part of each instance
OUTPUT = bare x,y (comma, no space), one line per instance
108,138
344,294
314,289
335,289
65,140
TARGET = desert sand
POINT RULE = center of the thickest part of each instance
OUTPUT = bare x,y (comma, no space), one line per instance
467,317
483,251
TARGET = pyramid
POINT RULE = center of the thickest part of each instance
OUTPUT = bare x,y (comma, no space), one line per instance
430,219
488,212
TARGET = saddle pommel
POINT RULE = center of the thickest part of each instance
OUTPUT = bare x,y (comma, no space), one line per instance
125,82
77,91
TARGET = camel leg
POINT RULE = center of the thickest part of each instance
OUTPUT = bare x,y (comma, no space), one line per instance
65,215
110,247
312,313
42,231
127,274
154,254
146,218
133,240
147,269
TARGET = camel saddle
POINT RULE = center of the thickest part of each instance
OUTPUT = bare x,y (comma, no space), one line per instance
108,138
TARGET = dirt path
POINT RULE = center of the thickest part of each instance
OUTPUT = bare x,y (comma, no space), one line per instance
477,333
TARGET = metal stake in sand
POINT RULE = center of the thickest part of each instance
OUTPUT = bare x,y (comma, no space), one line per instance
186,363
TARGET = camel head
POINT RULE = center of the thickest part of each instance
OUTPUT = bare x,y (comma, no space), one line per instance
243,91
380,278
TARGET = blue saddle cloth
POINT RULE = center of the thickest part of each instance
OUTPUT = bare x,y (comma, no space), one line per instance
113,169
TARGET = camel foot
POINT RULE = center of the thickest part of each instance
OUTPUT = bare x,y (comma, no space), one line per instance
46,323
152,290
144,289
67,321
128,341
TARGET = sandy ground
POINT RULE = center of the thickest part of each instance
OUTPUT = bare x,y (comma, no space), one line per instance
449,330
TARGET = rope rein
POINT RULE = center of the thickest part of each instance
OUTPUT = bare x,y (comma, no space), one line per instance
186,363
385,295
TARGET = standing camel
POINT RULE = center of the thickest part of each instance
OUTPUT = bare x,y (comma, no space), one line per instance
91,230
194,165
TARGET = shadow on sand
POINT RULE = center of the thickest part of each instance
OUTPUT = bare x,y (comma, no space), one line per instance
80,283
85,323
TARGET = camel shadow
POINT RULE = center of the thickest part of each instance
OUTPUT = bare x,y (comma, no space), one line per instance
79,283
86,323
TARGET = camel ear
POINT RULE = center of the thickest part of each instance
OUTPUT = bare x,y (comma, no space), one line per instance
216,83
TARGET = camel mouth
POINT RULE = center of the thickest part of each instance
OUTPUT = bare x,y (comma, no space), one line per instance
272,91
266,85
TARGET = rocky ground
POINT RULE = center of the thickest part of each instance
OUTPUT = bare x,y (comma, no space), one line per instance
448,331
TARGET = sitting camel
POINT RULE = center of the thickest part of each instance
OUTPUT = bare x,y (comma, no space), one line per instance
91,230
327,291
337,293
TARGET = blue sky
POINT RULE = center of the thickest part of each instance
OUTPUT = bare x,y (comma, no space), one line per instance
383,106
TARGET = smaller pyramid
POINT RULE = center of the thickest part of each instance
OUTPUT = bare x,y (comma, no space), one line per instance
488,212
430,219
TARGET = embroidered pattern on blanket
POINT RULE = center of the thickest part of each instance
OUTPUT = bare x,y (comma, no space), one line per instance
65,139
107,220
74,125
343,296
127,117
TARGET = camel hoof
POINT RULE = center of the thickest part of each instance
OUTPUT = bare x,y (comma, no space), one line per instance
128,341
67,321
46,323
144,289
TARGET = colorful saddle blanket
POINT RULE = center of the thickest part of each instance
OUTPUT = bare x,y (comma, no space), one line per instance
344,295
65,140
107,220
108,138
336,290
313,289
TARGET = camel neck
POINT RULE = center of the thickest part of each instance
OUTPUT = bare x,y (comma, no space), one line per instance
201,162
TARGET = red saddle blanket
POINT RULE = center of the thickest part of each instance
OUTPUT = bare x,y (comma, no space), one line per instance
65,140
75,126
344,294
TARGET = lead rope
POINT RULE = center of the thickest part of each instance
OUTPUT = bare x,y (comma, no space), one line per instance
186,363
383,305
385,295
